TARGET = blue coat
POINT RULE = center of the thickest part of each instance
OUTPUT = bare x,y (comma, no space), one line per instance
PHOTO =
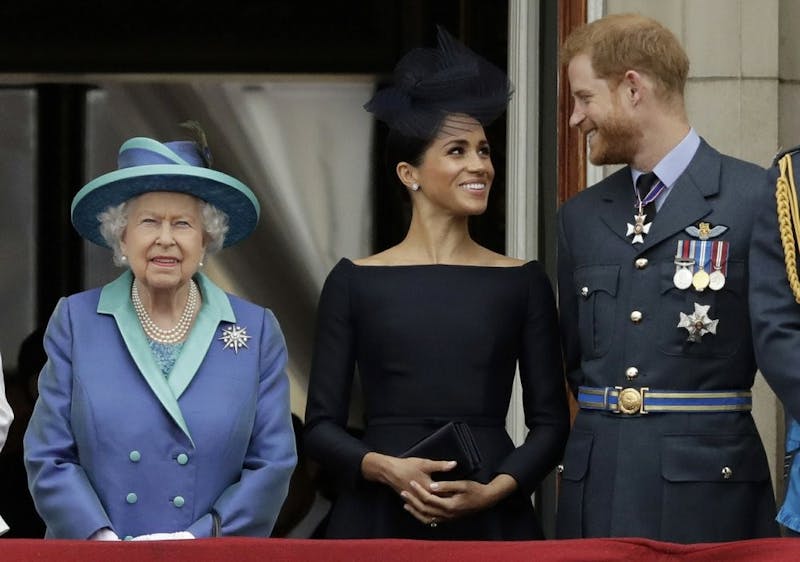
660,475
114,443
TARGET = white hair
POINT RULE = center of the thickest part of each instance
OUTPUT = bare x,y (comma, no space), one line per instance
215,225
114,219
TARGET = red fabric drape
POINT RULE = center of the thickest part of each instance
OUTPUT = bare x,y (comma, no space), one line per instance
288,550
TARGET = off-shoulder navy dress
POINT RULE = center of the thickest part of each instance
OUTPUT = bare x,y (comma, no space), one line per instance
433,343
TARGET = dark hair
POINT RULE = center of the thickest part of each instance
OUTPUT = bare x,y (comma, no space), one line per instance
403,148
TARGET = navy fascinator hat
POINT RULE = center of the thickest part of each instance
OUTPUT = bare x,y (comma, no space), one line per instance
430,84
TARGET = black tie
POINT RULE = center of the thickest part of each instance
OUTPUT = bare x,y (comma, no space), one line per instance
644,184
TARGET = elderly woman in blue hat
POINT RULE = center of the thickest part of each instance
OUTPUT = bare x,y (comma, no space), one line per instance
163,408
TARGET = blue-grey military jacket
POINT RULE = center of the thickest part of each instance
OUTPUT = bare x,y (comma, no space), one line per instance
645,474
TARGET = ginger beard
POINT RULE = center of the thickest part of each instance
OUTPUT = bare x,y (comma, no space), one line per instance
615,140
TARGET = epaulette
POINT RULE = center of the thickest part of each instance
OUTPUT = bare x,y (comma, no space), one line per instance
783,153
788,215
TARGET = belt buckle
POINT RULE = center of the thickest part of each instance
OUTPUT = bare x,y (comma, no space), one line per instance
630,401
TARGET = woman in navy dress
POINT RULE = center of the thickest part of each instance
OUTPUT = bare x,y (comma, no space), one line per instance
436,327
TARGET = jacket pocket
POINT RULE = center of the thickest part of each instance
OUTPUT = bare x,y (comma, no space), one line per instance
704,458
727,474
596,288
572,487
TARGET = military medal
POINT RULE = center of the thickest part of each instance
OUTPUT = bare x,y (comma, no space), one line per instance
700,250
698,323
682,279
716,280
700,280
696,258
719,251
639,229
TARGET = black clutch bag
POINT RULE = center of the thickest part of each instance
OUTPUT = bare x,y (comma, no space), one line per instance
451,442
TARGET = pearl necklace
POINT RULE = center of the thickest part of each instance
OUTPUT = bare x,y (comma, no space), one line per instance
175,334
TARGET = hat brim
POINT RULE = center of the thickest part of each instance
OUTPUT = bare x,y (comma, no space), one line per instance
226,193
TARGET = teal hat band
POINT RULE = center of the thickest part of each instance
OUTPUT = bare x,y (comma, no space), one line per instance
146,165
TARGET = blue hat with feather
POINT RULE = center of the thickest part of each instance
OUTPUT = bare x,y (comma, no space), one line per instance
146,165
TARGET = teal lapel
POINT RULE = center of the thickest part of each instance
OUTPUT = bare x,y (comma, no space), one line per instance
115,300
216,308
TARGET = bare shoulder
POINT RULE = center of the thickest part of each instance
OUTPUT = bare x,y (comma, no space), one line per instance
499,260
387,257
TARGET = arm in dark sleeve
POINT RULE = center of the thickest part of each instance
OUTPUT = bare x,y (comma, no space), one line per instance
329,386
543,394
775,315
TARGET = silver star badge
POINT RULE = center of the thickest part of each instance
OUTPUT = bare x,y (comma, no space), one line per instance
234,337
638,229
698,323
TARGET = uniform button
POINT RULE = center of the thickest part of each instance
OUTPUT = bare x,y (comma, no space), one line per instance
631,373
183,458
636,316
584,291
131,498
640,263
560,468
135,456
178,501
727,473
128,538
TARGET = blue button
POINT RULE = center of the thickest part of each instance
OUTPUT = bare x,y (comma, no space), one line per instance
178,501
135,456
128,538
183,458
131,498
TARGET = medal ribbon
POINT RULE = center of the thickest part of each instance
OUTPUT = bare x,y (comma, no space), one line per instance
651,196
705,255
719,250
683,255
683,263
700,252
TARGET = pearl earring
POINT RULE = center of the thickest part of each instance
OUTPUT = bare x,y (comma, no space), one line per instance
414,187
123,258
200,263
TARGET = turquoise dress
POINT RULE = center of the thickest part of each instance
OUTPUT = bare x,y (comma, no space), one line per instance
165,354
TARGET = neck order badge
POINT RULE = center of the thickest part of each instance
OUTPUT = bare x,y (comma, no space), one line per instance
648,188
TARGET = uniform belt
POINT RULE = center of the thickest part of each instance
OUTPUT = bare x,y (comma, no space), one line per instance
643,400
